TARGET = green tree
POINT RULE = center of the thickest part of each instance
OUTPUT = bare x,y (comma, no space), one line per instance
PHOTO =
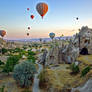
74,68
24,73
11,62
4,50
1,63
85,71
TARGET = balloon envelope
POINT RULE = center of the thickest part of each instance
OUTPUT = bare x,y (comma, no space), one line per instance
2,33
28,9
29,28
42,9
52,35
32,16
27,34
77,18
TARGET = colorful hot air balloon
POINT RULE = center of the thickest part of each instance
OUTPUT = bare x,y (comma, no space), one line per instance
28,28
32,16
52,35
2,33
42,9
28,9
27,34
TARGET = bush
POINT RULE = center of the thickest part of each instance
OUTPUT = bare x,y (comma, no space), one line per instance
31,58
4,50
85,71
42,78
74,68
2,89
11,62
1,63
24,73
31,52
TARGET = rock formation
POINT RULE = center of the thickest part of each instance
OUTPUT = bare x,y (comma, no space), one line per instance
81,43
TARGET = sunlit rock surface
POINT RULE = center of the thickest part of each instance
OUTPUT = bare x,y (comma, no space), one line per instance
80,43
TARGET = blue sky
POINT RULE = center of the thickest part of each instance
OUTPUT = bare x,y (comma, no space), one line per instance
60,19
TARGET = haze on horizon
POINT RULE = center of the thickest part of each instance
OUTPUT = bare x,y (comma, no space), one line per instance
60,18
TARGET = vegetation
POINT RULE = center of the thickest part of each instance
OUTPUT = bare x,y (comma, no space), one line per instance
11,62
26,90
74,68
3,50
1,63
2,89
24,73
31,56
85,71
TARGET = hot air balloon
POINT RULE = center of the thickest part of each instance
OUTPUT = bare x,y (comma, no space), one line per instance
28,28
52,35
28,9
32,16
77,18
27,34
2,33
42,9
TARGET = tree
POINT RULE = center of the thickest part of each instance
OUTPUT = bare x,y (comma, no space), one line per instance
85,71
4,50
74,68
1,63
11,62
24,73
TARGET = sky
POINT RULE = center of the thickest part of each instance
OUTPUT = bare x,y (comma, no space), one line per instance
60,18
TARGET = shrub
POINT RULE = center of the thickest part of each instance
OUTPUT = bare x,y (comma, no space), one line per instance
31,58
4,50
24,73
42,78
2,89
31,52
1,63
11,62
74,68
85,71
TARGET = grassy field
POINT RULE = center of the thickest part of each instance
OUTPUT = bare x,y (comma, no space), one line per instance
60,76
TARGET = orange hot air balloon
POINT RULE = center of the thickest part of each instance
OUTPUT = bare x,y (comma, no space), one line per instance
28,9
2,33
42,9
27,34
32,16
29,28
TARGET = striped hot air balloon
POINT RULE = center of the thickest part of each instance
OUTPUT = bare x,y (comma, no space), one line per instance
42,9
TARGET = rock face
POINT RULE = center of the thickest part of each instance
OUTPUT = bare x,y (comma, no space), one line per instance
85,39
81,43
54,56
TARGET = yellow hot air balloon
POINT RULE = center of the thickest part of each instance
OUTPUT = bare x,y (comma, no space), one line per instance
42,9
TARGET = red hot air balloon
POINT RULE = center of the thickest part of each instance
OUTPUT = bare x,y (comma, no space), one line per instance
29,28
2,33
27,34
42,9
28,9
32,16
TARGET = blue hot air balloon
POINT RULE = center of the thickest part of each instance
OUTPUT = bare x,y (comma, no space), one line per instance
52,35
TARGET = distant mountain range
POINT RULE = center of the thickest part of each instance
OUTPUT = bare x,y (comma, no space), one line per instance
36,39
